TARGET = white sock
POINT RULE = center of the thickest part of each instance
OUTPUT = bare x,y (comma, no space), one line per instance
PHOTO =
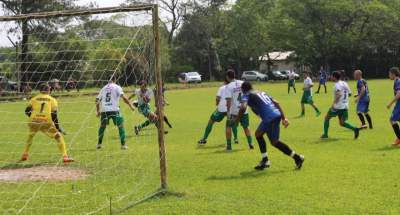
264,155
293,153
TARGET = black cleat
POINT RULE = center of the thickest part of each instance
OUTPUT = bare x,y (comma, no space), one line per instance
356,133
137,130
228,148
251,146
236,141
202,142
262,165
299,161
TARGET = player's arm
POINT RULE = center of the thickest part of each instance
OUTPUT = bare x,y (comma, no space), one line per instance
98,100
396,98
285,121
242,110
28,110
126,100
337,98
217,100
132,96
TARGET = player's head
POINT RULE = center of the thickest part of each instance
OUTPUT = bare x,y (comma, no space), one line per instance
357,74
112,79
230,75
143,84
342,75
336,76
226,81
306,74
44,88
246,87
394,73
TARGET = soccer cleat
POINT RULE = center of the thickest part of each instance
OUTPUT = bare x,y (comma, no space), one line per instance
24,157
124,147
324,136
67,159
98,146
136,130
356,133
202,142
236,141
371,127
363,127
228,148
299,161
251,146
396,143
262,165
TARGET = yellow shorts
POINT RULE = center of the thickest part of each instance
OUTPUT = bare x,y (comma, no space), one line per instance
47,128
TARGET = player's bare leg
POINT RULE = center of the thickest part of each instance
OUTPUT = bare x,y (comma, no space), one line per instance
317,112
396,130
303,110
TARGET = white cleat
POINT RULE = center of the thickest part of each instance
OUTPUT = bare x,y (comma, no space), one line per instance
124,147
98,146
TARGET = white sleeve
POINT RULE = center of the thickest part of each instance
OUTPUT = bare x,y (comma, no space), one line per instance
219,93
120,91
228,92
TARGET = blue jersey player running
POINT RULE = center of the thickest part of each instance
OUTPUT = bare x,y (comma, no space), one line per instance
394,74
362,100
271,115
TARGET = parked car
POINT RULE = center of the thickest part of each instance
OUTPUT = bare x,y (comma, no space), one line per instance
286,73
277,75
254,76
7,84
190,77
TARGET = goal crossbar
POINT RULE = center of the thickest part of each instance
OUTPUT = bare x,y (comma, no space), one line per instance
80,12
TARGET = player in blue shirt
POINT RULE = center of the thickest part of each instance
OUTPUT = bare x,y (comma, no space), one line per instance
362,100
323,77
271,115
394,74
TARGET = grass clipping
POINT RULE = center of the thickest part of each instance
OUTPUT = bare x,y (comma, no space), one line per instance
42,173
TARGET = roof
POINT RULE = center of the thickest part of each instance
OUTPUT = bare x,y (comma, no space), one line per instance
277,56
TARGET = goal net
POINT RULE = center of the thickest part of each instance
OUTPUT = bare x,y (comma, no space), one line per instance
76,53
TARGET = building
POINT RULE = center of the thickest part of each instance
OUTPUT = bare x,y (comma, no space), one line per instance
279,61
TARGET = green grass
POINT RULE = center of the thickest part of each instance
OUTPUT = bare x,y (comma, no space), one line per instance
340,175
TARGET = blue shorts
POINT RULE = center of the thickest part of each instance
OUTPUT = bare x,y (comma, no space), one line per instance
396,113
363,107
272,128
322,81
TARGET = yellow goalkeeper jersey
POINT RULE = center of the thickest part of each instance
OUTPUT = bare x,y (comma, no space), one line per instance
42,107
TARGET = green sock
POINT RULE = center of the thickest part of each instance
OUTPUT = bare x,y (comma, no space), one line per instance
235,132
303,112
317,110
145,124
121,131
207,131
228,142
326,127
347,125
101,134
249,140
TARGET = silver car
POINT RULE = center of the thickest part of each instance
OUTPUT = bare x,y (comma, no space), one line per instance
254,76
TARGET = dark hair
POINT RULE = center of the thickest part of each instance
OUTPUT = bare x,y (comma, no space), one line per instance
230,74
44,88
395,71
246,87
142,82
113,78
337,75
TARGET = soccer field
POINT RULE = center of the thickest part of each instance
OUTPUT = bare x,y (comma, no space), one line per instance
340,175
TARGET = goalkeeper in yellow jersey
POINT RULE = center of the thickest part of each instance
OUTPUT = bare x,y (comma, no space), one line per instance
42,113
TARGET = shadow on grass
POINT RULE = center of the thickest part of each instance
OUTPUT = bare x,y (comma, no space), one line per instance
329,140
224,151
20,165
247,174
388,148
211,147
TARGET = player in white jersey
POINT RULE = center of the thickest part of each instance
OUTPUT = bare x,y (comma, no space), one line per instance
107,106
340,106
233,95
218,115
144,95
307,95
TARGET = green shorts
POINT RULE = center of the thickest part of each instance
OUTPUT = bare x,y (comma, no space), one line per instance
307,98
144,109
342,114
291,83
244,121
114,115
217,116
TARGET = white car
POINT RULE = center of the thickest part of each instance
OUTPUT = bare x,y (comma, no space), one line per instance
190,77
254,76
